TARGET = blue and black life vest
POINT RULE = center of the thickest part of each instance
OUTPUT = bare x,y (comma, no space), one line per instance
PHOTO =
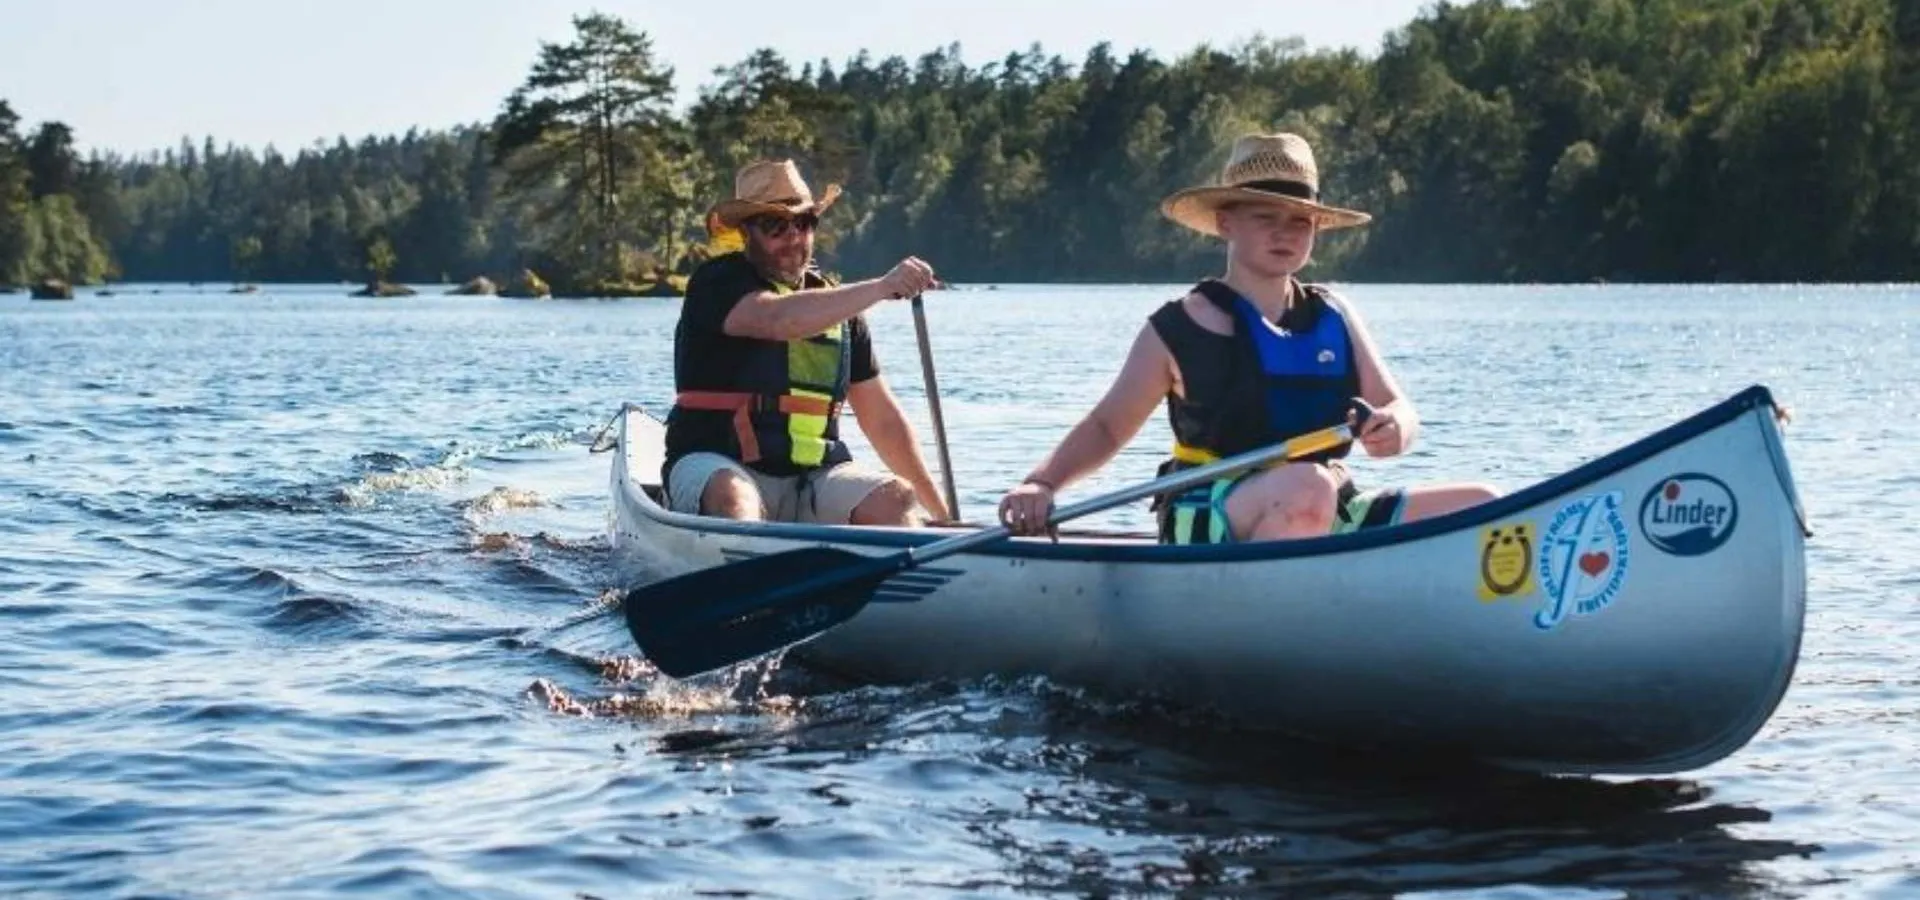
1264,384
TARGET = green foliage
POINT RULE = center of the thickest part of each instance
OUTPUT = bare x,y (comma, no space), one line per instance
583,142
60,244
1561,140
246,253
183,213
380,257
52,166
15,200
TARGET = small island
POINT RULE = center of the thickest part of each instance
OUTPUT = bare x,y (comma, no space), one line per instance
380,262
527,286
52,289
476,287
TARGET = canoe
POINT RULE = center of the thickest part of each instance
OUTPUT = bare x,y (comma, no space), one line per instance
1638,614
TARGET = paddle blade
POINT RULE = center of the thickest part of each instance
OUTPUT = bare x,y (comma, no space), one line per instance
716,617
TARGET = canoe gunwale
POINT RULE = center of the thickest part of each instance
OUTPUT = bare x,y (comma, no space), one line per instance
1147,551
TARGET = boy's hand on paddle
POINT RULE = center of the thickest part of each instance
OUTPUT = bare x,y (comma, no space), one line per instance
1026,509
1380,431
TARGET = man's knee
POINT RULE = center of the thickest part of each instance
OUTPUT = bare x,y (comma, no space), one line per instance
891,503
730,495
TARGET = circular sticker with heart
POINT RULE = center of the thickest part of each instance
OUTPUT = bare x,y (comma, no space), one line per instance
1583,558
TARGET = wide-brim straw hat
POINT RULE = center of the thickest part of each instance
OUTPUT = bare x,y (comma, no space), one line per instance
770,187
1262,168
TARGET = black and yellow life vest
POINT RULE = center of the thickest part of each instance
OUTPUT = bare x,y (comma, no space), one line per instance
783,399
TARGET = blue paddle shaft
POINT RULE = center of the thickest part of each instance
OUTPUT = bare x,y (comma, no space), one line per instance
1300,446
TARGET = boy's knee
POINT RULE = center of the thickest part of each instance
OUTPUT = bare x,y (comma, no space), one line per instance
1298,502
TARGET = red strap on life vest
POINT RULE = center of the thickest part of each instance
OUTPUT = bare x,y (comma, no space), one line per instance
743,405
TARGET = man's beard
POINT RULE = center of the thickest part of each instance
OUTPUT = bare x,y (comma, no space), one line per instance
769,263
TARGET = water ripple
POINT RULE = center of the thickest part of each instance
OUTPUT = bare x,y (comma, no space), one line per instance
319,616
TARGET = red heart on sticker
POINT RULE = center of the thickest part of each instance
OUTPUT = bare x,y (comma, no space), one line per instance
1594,563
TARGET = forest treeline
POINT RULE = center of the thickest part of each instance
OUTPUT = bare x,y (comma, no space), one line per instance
1558,140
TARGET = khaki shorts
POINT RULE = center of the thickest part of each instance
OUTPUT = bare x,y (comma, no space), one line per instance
822,496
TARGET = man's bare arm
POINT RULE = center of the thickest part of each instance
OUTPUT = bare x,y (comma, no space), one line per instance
801,314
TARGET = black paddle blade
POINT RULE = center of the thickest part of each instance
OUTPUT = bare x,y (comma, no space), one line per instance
716,617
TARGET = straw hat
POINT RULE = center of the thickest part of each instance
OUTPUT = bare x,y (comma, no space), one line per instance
770,187
1263,168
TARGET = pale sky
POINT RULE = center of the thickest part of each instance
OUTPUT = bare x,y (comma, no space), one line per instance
137,75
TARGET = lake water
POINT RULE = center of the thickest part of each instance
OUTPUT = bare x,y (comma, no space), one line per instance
280,577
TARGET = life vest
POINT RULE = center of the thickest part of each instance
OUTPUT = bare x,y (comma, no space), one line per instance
1303,379
785,399
1282,382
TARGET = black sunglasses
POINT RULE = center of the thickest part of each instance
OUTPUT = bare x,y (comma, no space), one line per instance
776,226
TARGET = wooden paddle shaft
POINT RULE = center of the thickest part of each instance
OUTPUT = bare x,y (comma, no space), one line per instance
933,406
1303,445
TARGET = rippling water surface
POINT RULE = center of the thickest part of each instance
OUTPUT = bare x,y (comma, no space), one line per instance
298,599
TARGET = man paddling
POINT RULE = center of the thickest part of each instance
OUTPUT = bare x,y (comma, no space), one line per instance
766,354
1247,360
